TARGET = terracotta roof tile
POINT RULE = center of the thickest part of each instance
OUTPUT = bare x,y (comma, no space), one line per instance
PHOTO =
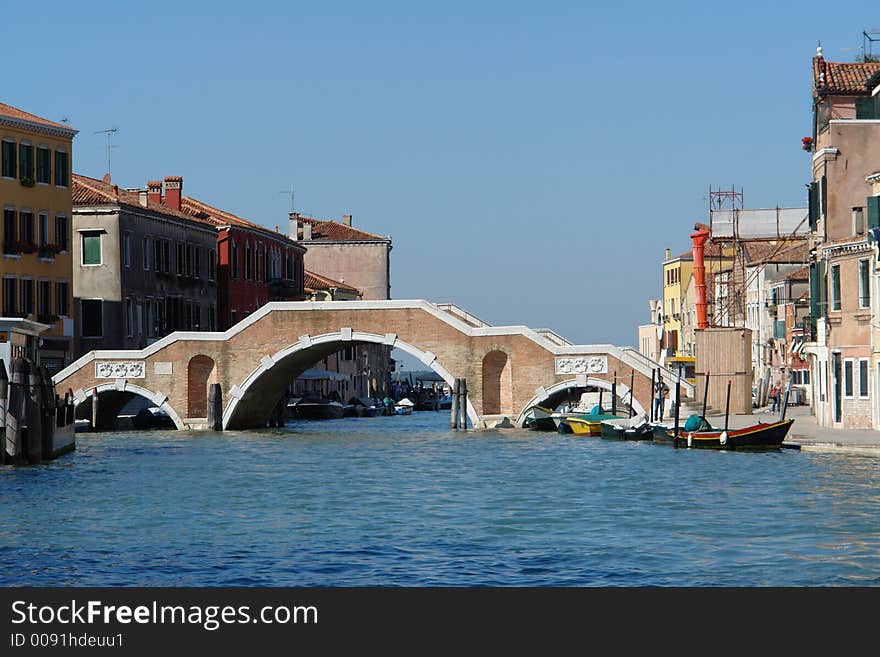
201,211
90,191
335,231
791,251
842,78
15,113
313,281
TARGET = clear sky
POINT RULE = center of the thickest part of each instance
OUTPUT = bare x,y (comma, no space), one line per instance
531,161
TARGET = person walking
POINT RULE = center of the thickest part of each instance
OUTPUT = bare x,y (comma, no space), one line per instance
660,393
774,399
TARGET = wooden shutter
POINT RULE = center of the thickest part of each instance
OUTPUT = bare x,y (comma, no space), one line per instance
873,212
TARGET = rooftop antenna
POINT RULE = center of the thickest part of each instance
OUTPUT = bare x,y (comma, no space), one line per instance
108,132
290,193
869,38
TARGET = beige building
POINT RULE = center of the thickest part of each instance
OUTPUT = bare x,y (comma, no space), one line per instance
843,211
346,254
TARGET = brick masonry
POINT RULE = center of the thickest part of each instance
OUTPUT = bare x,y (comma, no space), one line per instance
503,369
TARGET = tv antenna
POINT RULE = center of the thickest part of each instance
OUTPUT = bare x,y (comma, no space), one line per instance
290,193
108,132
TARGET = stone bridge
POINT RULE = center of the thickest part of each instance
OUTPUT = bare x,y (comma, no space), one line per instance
508,368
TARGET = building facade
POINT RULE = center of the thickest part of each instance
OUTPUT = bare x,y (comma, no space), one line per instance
255,264
141,269
344,253
843,215
35,196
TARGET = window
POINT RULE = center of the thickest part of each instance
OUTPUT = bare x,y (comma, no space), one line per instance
62,169
26,219
233,315
864,284
848,377
129,318
212,264
166,256
233,259
26,161
61,232
61,294
858,221
145,254
197,257
9,159
835,287
44,160
180,257
247,262
44,229
150,318
9,232
863,378
10,306
126,249
92,318
91,248
44,298
27,296
189,260
212,321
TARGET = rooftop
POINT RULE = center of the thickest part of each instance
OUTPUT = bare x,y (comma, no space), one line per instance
201,211
842,78
784,252
10,112
334,231
313,281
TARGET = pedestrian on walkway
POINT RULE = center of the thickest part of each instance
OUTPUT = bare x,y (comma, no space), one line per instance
774,399
660,393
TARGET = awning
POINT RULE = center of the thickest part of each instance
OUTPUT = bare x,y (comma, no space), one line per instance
322,375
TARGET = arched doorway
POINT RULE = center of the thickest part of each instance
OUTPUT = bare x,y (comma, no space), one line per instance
199,372
497,383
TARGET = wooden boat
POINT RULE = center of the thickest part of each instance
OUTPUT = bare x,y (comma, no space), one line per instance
634,428
763,435
581,424
316,409
539,418
403,407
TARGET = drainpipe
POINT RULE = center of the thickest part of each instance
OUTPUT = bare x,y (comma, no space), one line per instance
699,238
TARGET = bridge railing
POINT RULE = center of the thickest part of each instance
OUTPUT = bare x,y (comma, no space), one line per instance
553,336
462,314
633,355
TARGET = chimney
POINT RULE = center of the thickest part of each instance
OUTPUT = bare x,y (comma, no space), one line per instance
307,231
106,178
173,191
293,226
346,219
154,191
668,254
142,197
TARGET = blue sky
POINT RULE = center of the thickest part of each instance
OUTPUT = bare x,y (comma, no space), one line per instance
531,161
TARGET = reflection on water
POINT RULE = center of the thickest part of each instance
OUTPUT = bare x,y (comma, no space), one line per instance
404,501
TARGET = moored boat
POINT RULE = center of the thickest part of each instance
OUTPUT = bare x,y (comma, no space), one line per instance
539,418
634,428
763,435
403,407
317,409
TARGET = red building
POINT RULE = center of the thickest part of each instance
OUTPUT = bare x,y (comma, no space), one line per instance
255,265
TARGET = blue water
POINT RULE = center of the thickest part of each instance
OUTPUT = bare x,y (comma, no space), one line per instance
404,501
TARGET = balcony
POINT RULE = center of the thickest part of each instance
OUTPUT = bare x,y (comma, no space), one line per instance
18,247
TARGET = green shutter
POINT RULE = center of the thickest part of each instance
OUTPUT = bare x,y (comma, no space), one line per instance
91,249
873,212
824,198
813,202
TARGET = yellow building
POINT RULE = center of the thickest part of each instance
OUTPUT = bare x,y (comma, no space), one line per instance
36,156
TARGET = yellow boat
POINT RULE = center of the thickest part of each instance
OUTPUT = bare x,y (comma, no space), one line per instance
581,427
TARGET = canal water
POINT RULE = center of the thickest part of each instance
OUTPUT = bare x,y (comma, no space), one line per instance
404,501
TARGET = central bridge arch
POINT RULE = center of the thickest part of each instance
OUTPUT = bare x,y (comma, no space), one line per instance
555,394
253,399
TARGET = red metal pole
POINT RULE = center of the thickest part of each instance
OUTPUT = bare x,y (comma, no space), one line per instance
699,237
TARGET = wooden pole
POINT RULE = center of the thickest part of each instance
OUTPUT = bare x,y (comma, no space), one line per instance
463,405
705,394
785,402
34,417
653,386
600,399
215,407
94,409
614,395
632,384
677,407
4,398
727,406
453,418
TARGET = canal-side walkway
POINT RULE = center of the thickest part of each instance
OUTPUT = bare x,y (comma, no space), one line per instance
806,435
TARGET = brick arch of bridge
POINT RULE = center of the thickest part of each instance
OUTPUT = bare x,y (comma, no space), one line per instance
254,398
126,391
545,394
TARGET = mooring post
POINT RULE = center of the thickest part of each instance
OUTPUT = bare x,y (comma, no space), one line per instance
4,398
15,411
677,409
94,409
453,419
614,395
653,376
632,394
215,407
463,404
49,414
34,417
